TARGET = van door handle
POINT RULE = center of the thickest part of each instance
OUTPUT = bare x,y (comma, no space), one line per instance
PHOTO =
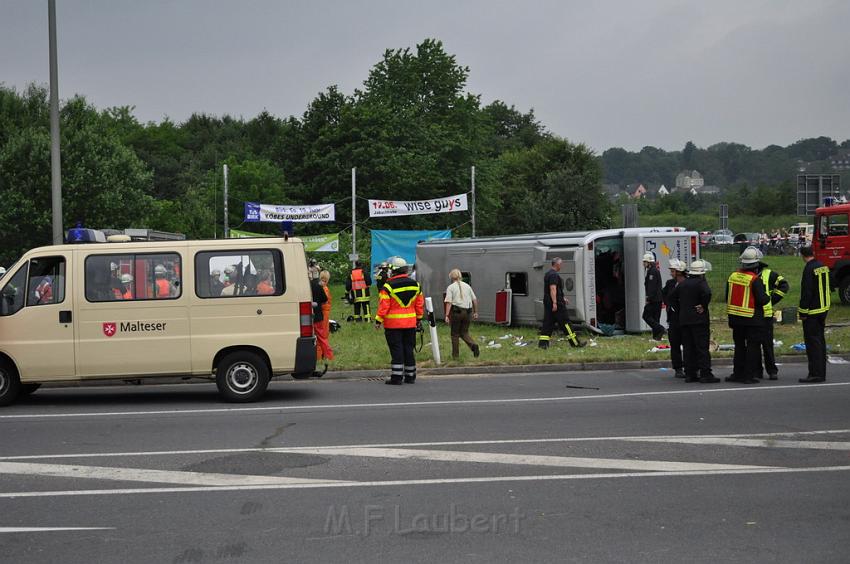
65,317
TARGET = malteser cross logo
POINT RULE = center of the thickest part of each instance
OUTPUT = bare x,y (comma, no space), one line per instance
109,328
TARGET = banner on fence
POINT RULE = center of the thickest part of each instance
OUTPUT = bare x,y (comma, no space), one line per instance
328,243
385,208
277,214
321,243
387,243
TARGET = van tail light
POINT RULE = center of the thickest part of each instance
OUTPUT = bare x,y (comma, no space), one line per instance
305,311
693,248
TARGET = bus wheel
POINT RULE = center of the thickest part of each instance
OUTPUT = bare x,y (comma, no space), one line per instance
10,384
27,389
242,376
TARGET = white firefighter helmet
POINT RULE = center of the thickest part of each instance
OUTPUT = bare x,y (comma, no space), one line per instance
676,264
648,257
2,270
750,256
396,263
126,278
228,270
159,270
697,267
216,273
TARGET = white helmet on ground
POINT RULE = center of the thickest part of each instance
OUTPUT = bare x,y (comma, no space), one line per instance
750,256
698,267
648,257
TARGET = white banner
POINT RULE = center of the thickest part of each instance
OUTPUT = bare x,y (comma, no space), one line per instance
278,214
383,208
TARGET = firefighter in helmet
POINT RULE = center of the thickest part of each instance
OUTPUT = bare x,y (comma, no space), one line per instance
357,287
745,301
400,310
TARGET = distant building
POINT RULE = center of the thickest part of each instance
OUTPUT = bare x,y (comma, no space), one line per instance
841,161
705,190
636,191
663,191
688,179
613,191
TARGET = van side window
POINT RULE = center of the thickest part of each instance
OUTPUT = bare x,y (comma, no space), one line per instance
220,274
13,293
133,277
46,281
517,282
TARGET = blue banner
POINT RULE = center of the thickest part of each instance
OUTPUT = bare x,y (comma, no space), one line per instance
386,243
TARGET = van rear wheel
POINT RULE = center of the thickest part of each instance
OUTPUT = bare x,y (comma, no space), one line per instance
242,376
10,384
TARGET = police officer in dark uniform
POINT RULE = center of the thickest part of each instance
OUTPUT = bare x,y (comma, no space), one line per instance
691,298
745,301
776,287
652,288
555,308
674,331
815,301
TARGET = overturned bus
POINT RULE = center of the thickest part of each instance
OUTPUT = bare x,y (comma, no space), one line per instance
602,271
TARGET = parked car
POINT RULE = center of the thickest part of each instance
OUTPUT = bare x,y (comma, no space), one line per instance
747,238
721,237
704,237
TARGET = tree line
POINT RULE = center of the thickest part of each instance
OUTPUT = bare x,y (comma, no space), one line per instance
412,131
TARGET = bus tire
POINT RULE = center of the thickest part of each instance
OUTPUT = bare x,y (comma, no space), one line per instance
10,384
242,376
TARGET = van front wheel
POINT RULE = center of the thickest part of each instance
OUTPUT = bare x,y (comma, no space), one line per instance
10,384
242,377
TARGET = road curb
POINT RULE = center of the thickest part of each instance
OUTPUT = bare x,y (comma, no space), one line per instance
442,371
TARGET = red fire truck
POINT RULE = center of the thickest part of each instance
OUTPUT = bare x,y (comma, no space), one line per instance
832,245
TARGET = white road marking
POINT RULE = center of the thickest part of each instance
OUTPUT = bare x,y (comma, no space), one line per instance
525,459
663,438
762,443
51,529
146,475
307,407
425,482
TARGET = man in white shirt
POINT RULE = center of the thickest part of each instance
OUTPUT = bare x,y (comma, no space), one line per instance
461,308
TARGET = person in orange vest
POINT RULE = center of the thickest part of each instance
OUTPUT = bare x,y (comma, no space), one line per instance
163,287
745,301
126,287
265,286
322,329
400,310
357,286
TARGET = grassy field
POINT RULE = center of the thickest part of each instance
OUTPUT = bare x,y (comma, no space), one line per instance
360,346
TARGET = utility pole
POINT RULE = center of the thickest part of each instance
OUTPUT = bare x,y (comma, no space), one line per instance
353,255
473,202
55,160
226,223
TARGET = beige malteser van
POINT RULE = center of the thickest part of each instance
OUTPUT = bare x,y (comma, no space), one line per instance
237,310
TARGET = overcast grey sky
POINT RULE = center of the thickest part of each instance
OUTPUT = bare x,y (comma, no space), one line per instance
605,73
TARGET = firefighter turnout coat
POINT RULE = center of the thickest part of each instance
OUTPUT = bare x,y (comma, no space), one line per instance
400,303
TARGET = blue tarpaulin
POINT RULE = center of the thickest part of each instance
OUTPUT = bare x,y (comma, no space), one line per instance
387,243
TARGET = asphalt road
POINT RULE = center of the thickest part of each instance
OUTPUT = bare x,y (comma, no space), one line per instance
508,468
